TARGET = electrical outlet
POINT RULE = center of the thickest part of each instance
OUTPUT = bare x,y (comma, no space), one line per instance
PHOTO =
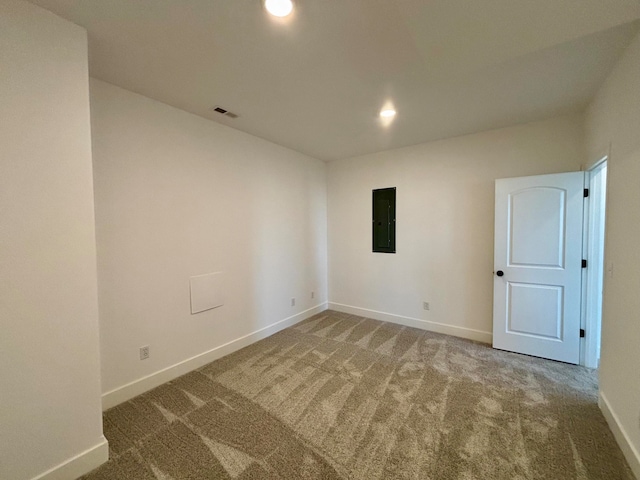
293,302
425,305
144,352
313,295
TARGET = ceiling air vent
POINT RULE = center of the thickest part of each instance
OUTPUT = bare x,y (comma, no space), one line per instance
224,111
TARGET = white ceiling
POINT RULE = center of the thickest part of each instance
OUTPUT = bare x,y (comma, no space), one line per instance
315,81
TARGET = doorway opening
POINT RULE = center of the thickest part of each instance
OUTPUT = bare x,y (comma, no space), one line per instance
594,249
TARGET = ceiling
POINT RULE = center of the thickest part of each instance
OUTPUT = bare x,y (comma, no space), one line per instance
316,80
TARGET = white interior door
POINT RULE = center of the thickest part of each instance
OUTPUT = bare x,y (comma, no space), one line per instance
537,264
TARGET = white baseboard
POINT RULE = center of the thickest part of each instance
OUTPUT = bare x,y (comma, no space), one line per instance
80,464
628,449
471,334
137,387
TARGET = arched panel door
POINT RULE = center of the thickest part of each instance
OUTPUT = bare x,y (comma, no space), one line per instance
538,262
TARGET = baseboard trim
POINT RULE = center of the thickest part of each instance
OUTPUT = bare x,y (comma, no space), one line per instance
469,333
137,387
628,449
80,464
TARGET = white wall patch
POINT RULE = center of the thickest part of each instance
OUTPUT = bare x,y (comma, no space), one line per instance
206,292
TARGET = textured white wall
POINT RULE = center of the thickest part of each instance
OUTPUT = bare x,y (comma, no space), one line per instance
179,196
445,210
613,118
50,407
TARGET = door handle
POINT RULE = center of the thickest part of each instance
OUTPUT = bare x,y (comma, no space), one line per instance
500,273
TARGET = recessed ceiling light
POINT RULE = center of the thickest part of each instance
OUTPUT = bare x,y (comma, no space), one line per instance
278,8
388,113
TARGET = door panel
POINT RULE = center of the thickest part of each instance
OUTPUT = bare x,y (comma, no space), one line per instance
538,247
536,217
544,319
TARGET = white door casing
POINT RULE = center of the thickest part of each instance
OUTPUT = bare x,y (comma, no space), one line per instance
538,251
594,248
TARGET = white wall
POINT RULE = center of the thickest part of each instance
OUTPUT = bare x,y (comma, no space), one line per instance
613,119
49,360
178,196
445,210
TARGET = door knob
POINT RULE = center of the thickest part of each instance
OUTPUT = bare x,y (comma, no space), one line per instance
500,273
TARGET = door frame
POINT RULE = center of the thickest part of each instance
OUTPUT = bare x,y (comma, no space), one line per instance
593,276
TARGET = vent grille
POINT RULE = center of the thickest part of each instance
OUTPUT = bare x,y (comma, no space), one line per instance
224,111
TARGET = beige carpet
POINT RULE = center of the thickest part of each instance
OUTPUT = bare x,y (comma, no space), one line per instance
344,397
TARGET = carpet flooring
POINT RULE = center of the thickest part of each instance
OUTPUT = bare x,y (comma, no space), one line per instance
344,397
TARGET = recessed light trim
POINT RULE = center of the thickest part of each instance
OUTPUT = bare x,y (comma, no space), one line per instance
388,113
279,8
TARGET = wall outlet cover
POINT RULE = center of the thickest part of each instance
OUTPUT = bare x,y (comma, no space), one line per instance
144,352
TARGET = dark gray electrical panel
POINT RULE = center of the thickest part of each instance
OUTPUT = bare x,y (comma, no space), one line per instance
384,220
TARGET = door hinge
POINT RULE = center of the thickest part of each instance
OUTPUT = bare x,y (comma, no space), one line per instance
584,263
582,333
586,192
